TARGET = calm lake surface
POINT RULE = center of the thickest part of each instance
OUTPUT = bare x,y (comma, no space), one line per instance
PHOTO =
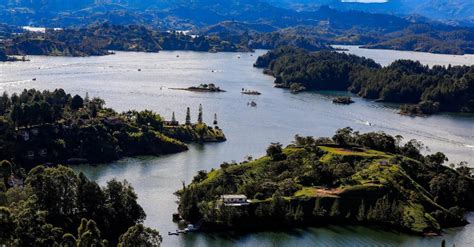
386,57
277,118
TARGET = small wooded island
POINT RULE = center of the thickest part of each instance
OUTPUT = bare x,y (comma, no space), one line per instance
202,88
343,100
52,127
351,178
427,90
250,92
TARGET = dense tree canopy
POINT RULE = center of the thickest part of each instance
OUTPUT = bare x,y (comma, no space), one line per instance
404,81
54,127
139,235
59,206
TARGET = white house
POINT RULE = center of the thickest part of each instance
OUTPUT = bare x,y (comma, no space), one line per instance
234,200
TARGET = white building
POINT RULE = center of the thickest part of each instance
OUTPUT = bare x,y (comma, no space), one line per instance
234,200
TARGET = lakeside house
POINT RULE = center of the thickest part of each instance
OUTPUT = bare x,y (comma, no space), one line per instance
235,200
29,132
171,123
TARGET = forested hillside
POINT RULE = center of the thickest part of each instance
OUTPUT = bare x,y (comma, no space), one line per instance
359,178
58,207
97,40
53,127
404,81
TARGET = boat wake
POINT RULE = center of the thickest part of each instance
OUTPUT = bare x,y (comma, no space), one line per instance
364,122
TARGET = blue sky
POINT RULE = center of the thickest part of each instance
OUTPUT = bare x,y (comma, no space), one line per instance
364,1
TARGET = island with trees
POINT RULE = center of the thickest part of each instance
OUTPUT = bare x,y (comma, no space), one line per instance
53,127
202,88
343,100
352,178
430,90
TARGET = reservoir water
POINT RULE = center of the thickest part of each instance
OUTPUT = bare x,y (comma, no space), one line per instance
386,57
129,80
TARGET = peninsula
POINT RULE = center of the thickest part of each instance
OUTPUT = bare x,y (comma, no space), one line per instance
343,100
430,90
351,178
53,127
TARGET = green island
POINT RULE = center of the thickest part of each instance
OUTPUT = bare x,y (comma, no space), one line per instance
100,39
250,92
426,90
53,127
202,88
351,178
344,100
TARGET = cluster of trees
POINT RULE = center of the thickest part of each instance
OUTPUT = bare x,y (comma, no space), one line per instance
404,81
55,127
355,177
315,71
57,207
97,40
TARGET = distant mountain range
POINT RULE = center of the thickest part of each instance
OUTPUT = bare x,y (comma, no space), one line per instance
308,24
455,11
206,12
180,14
176,14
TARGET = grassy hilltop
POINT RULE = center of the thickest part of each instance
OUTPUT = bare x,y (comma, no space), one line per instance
351,178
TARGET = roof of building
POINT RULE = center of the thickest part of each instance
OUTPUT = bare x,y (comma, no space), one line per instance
233,196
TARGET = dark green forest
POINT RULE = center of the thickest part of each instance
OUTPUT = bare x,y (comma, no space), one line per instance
43,203
51,127
57,207
362,178
431,90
